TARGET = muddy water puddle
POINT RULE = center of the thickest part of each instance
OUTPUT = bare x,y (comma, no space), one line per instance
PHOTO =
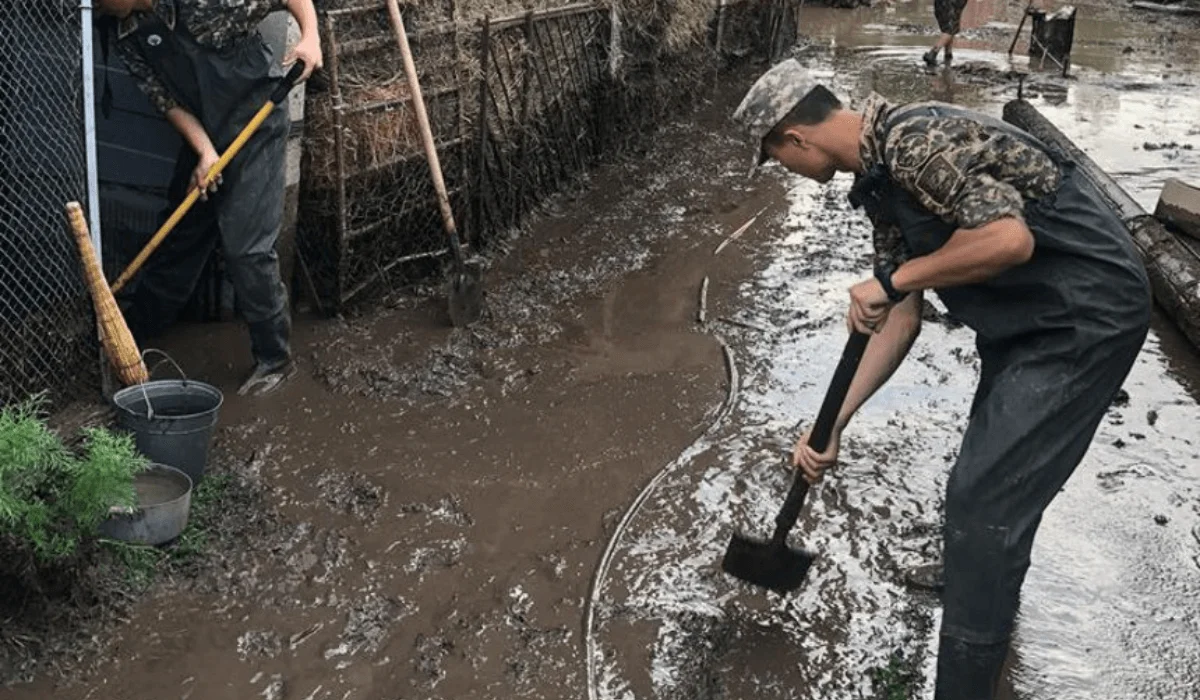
1110,607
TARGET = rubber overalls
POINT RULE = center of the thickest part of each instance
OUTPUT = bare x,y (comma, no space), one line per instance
223,89
1056,338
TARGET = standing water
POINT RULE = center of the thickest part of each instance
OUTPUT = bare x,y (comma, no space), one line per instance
1111,605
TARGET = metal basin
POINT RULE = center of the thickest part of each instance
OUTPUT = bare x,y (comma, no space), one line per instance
164,497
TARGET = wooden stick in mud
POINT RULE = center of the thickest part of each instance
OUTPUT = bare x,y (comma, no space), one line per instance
702,316
1180,9
738,233
1173,265
743,324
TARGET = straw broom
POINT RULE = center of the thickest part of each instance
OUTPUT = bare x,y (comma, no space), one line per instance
118,342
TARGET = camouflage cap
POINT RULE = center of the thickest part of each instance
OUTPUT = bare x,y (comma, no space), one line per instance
770,99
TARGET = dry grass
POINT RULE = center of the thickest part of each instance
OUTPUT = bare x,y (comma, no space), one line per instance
678,23
369,139
372,140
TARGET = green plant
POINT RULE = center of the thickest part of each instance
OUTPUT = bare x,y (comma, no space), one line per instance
139,562
206,502
895,681
52,499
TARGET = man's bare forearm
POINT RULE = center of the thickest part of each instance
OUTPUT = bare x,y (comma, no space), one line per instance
306,16
192,130
969,257
884,353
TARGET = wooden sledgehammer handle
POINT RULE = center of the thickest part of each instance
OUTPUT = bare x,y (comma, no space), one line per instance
431,154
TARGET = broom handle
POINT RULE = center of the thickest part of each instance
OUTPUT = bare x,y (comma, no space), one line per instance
431,154
279,95
822,431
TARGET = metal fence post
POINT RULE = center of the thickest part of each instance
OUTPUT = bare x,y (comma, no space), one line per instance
89,125
87,54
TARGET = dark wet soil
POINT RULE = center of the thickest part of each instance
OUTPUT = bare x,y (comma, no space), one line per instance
422,511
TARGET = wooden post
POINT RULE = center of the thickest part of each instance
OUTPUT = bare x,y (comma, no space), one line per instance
485,40
528,167
1173,265
339,146
461,84
720,27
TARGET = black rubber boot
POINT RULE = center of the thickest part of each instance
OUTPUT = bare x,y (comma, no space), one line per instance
969,671
270,341
265,379
949,56
926,577
270,345
930,57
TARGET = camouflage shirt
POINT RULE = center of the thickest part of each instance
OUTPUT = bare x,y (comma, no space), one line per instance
215,24
961,170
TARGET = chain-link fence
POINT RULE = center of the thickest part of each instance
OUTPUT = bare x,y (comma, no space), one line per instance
47,336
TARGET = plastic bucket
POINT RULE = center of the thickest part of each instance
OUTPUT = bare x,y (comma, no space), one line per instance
172,421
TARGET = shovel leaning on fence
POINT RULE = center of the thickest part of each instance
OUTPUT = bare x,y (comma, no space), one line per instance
466,288
277,96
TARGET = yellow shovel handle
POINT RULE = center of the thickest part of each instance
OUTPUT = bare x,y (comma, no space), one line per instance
192,196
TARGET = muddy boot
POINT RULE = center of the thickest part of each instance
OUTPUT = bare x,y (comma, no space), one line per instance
269,343
930,57
969,671
265,379
930,578
949,56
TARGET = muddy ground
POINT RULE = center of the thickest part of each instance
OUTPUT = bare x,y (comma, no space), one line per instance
535,507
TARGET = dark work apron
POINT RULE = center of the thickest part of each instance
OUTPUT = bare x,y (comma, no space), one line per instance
223,89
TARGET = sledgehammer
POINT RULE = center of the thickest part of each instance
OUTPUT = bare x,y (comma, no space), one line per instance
773,565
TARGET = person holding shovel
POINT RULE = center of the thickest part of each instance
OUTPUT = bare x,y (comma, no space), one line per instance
1021,248
203,64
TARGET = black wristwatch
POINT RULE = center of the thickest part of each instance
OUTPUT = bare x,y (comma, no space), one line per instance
883,273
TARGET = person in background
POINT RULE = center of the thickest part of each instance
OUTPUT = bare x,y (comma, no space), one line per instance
204,65
949,17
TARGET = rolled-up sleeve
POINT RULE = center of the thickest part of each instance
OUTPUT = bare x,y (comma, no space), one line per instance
251,12
984,199
220,23
963,173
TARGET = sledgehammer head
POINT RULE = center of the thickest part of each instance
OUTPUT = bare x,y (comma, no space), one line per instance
772,564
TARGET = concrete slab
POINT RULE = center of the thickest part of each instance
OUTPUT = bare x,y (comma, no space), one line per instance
1179,206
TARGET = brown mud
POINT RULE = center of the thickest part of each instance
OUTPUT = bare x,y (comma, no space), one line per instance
422,511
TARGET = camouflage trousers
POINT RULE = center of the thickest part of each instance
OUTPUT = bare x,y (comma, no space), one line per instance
948,14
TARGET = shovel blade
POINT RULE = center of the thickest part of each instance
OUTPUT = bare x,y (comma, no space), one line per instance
776,568
466,295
